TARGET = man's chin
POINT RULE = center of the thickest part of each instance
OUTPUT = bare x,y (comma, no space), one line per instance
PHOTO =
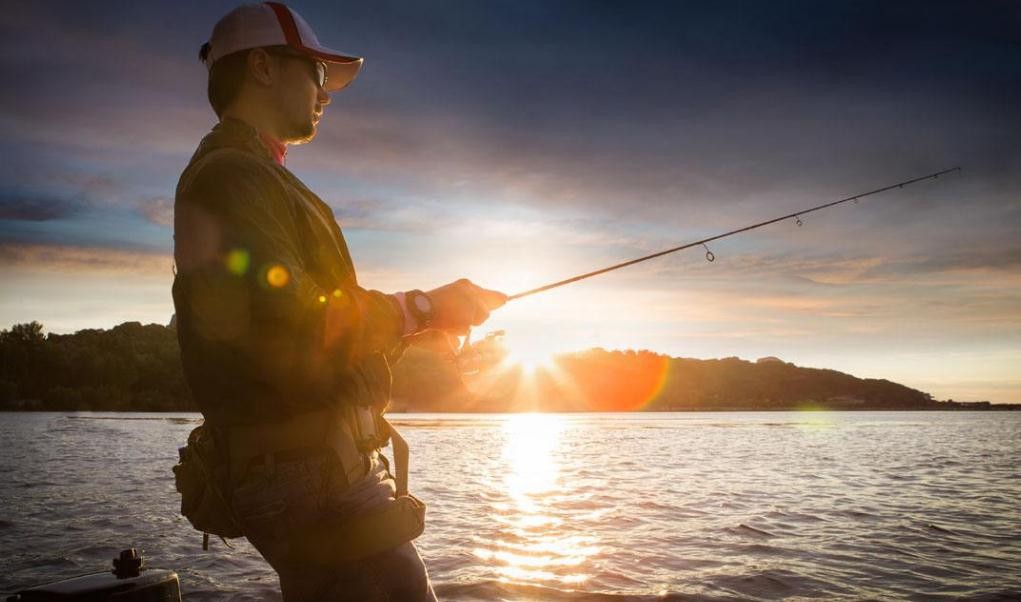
303,134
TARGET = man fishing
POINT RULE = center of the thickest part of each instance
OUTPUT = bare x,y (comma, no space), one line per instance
287,356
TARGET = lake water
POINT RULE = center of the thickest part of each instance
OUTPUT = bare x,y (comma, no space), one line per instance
687,506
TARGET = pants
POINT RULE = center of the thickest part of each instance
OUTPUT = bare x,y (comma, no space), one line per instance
398,575
273,502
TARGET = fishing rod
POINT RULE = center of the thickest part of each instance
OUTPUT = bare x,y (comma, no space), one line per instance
709,254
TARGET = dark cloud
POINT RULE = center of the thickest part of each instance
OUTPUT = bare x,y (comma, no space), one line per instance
650,122
630,112
47,193
33,206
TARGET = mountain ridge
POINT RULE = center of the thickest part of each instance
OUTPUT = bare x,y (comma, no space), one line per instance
135,367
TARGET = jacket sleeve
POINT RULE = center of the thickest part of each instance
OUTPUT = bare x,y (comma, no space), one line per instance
237,247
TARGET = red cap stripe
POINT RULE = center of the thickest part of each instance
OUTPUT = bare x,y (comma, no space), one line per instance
293,38
286,20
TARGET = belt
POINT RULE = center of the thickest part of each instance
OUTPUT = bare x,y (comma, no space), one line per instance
296,435
301,435
287,455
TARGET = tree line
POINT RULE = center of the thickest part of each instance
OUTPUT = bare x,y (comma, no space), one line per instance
135,367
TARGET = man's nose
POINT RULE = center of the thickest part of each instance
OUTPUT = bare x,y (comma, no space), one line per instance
323,97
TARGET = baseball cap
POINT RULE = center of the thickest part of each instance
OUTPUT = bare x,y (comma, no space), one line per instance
274,24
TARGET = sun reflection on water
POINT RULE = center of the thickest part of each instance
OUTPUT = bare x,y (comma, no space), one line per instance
531,440
536,543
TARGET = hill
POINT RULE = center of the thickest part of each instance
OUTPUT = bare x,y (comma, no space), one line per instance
602,380
135,367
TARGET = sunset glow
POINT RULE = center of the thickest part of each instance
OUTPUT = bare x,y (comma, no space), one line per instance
436,169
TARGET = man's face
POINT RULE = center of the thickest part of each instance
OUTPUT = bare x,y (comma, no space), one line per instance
299,98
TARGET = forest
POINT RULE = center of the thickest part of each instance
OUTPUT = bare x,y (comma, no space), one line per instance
135,367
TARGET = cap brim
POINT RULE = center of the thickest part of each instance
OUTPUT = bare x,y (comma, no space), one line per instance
341,69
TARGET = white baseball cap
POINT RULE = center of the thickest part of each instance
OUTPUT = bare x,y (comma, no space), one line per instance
274,24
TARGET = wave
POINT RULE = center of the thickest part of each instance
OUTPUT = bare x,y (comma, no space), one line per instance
484,591
744,529
171,419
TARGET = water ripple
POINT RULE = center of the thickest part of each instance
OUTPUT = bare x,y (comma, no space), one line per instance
742,506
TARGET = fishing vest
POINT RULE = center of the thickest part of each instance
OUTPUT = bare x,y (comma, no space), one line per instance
281,347
271,320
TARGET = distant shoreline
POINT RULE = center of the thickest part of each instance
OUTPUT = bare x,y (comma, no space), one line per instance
137,368
992,407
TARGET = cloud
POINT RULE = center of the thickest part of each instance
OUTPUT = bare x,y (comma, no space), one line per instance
51,192
159,210
998,259
468,222
33,206
78,259
691,129
127,86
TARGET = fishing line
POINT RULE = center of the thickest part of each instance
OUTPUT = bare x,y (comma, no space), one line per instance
704,242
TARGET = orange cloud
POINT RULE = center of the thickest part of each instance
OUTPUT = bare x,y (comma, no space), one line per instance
76,259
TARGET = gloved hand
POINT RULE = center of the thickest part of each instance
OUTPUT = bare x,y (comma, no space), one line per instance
462,304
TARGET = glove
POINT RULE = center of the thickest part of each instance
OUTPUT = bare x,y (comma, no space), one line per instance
458,306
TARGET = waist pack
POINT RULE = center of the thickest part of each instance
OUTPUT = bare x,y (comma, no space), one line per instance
202,480
199,480
362,536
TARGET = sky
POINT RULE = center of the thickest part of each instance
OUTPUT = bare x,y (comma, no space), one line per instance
520,142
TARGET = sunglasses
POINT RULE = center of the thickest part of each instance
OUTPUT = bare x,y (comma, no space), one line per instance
319,70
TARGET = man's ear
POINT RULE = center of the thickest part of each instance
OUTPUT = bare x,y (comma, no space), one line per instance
261,67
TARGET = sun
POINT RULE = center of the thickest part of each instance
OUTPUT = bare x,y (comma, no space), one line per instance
529,360
531,355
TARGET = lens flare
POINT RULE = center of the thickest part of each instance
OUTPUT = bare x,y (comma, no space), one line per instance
238,261
616,381
277,276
